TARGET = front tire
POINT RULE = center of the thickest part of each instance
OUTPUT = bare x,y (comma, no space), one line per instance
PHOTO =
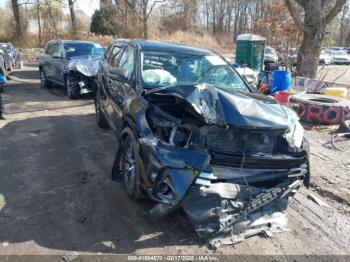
130,168
71,93
101,120
44,83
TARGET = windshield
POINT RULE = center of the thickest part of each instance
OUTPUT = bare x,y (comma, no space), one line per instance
81,49
162,69
339,53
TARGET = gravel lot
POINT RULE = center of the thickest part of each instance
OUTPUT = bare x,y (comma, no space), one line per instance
56,196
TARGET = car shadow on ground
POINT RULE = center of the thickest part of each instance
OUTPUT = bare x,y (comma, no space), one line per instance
25,74
60,91
14,103
32,74
55,190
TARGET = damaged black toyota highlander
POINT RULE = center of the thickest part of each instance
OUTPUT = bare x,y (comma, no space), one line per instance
194,135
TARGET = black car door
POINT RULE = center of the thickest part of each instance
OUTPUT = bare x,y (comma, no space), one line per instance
58,63
110,61
46,59
121,81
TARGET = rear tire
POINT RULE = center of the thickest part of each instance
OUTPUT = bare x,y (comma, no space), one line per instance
101,120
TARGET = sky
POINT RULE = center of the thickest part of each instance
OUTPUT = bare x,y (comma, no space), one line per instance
88,6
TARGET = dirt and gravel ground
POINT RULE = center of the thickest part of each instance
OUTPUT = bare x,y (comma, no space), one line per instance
56,195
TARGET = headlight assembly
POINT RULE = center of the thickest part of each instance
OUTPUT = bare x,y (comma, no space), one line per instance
295,136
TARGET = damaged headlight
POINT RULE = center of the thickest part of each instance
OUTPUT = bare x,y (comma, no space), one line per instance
296,135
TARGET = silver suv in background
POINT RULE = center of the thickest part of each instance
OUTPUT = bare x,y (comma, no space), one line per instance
71,64
11,56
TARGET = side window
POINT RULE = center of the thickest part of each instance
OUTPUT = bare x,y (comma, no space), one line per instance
54,48
62,50
108,52
48,48
127,61
116,52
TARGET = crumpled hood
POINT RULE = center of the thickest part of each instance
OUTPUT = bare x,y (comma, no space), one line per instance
87,65
246,110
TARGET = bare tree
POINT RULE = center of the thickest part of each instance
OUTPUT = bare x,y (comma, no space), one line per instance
39,21
72,16
18,20
317,15
189,10
143,9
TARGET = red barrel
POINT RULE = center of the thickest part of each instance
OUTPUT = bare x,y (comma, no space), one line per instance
283,97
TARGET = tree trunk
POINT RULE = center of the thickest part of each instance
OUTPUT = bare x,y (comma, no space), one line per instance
39,22
309,53
317,16
72,16
17,15
145,29
145,18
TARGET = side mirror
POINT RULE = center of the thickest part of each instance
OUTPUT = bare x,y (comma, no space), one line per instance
119,72
56,55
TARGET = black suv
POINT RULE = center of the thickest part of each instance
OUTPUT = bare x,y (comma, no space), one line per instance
71,64
193,134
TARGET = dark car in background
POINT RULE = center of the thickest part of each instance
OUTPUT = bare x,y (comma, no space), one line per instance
193,134
11,56
71,64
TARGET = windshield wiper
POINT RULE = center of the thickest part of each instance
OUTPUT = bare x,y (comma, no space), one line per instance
157,89
154,90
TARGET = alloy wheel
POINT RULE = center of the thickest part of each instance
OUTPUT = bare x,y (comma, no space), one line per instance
129,166
42,78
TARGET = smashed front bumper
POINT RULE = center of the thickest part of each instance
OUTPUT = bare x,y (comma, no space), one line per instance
224,203
227,213
82,84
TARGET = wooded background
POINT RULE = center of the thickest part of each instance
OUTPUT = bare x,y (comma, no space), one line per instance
285,23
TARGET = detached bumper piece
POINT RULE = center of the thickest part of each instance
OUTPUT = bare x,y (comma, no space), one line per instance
227,213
